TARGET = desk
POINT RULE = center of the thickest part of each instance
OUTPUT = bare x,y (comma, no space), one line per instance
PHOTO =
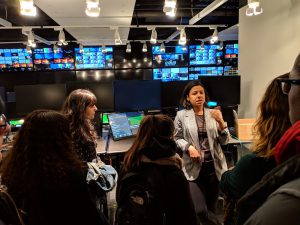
120,146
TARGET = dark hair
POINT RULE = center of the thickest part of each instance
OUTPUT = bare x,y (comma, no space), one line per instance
2,106
273,119
158,126
296,66
74,108
42,154
186,91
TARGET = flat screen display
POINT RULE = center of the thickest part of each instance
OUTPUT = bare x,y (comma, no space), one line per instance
171,93
134,119
225,90
196,72
174,56
15,60
47,59
44,96
135,95
120,127
94,58
102,90
170,74
231,55
230,71
209,55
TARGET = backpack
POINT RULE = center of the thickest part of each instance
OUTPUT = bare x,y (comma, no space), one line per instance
9,213
141,199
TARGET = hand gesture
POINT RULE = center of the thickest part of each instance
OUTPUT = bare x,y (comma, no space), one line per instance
194,154
217,115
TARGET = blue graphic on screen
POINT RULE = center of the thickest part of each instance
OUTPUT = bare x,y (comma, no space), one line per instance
209,55
170,74
231,55
94,58
47,59
196,72
230,71
15,60
172,57
120,126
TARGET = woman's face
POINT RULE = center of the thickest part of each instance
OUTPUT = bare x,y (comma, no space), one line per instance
90,111
196,96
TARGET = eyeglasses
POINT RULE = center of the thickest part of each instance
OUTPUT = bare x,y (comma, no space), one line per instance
286,84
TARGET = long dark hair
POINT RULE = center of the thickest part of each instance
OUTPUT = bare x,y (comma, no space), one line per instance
186,91
74,108
273,119
41,156
159,126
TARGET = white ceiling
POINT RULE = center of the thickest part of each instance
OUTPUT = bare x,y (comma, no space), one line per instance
72,13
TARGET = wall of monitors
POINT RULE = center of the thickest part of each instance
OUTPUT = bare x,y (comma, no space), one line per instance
94,58
48,59
15,60
175,63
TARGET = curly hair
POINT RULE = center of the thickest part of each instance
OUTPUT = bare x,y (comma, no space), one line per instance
273,119
41,156
159,126
74,108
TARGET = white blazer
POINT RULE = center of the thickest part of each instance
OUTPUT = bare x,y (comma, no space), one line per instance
186,134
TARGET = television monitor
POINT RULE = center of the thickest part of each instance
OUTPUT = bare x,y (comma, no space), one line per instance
104,118
134,119
196,72
230,71
231,54
16,123
209,55
225,90
102,90
133,74
94,58
15,60
136,95
48,59
170,74
31,97
120,127
171,93
174,56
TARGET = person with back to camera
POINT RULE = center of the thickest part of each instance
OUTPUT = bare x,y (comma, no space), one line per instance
270,125
4,126
276,198
199,133
153,155
80,108
44,175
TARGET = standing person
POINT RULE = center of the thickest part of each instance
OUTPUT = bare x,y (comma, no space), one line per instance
44,175
277,194
271,123
80,108
4,126
199,133
153,155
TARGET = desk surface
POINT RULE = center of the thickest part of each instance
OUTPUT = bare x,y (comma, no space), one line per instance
123,145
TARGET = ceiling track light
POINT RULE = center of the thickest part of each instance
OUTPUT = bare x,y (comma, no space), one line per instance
214,37
182,39
27,8
30,40
170,8
153,39
92,8
162,48
28,49
144,49
118,40
221,45
62,38
202,45
254,8
103,48
128,47
55,49
81,50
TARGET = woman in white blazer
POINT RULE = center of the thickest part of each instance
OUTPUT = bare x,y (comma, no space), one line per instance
199,133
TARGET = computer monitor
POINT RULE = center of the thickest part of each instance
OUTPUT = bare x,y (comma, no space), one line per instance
171,93
135,95
104,118
46,96
170,74
134,119
120,127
